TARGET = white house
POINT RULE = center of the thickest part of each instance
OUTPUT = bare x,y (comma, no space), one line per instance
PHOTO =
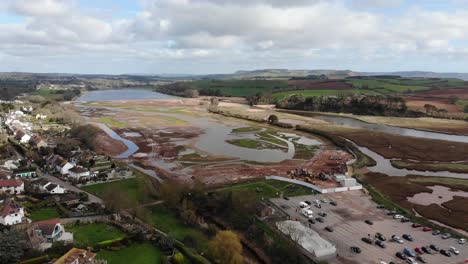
42,234
78,172
53,188
22,137
65,167
12,186
41,116
11,213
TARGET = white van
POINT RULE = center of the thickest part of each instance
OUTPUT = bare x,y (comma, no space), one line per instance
307,213
303,205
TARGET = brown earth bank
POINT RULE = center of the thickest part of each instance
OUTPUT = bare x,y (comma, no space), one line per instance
460,92
417,104
453,213
407,164
107,145
395,146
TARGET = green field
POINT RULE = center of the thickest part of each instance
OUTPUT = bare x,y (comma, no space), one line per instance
43,214
112,123
92,234
246,129
268,189
238,87
132,189
387,86
135,254
167,221
252,144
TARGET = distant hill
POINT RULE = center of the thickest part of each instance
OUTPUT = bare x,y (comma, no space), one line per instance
281,74
422,74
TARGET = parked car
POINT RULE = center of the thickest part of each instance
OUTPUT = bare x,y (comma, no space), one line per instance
426,229
411,261
397,239
322,214
381,206
461,241
329,228
397,216
356,250
367,240
303,205
404,220
318,206
445,253
319,219
419,250
416,225
427,250
446,236
380,243
434,247
435,232
408,237
369,222
454,250
409,252
285,197
421,259
400,255
308,202
380,236
391,213
333,203
312,221
324,201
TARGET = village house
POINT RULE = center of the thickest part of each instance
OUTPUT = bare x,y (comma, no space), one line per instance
78,256
42,234
38,142
11,213
22,137
78,173
45,186
11,186
25,174
58,163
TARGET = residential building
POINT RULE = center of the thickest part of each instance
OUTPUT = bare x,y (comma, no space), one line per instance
22,137
37,141
12,186
25,174
79,172
77,256
42,234
11,213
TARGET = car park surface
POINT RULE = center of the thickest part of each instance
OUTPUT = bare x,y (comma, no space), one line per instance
347,220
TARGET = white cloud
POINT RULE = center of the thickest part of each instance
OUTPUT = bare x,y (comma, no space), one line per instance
276,31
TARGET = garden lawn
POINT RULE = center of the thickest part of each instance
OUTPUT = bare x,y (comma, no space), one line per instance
135,254
92,234
44,214
167,221
132,189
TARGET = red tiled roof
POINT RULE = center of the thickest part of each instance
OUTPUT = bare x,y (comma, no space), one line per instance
10,208
10,183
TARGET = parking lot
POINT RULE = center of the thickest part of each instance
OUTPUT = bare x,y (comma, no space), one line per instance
347,220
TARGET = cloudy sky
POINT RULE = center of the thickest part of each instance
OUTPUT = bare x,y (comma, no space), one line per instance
220,36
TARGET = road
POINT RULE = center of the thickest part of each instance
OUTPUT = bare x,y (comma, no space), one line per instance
92,198
347,220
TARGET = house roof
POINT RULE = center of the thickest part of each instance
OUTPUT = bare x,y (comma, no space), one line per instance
51,186
10,183
19,134
10,208
36,139
47,226
41,182
75,254
78,169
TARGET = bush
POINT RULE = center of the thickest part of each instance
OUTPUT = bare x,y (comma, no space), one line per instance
178,258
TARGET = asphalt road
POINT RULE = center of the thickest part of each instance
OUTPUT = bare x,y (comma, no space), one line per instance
347,220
